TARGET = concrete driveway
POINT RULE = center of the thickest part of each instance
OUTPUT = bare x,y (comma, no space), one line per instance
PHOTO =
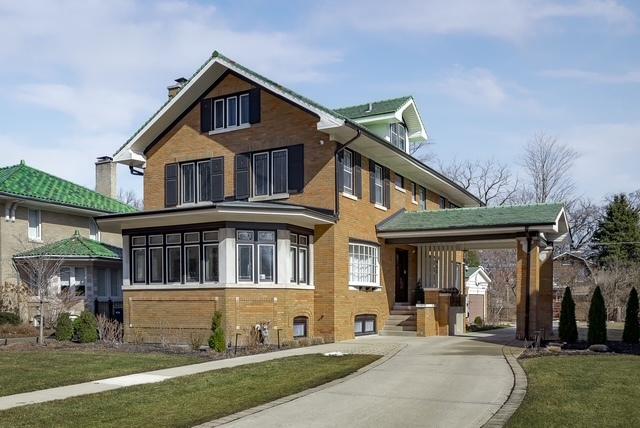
432,382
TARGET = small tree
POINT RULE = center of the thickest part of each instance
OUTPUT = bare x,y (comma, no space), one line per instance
86,327
568,330
64,327
217,340
597,319
631,332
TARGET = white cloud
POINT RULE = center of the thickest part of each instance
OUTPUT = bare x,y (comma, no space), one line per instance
510,20
476,86
593,76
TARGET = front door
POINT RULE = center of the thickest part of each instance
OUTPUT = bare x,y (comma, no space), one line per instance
402,276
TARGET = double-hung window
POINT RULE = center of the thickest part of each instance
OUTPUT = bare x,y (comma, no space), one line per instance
210,250
261,174
35,225
270,173
279,171
244,259
188,178
256,245
399,183
138,260
218,109
423,199
443,202
232,112
299,259
364,265
398,135
266,256
378,185
348,171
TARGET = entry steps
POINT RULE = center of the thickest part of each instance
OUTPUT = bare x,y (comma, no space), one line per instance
401,321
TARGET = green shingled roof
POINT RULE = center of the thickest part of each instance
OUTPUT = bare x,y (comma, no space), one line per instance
470,270
373,109
460,218
23,181
75,247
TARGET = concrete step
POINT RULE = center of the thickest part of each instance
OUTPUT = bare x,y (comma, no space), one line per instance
398,321
398,333
399,328
402,312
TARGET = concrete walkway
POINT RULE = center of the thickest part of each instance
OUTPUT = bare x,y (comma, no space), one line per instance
435,381
352,347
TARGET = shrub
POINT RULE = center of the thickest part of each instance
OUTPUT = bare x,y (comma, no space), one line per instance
20,330
478,321
86,327
64,327
109,330
568,330
9,318
217,340
631,332
196,340
597,319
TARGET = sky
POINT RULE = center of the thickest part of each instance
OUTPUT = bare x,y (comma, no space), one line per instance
77,78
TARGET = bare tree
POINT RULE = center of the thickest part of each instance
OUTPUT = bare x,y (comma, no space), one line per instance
547,165
583,221
491,181
616,281
501,298
129,197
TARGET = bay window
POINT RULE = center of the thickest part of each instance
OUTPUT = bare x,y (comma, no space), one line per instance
139,265
192,263
155,265
174,263
364,265
299,258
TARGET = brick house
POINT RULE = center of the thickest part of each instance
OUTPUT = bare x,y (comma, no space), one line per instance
276,210
46,216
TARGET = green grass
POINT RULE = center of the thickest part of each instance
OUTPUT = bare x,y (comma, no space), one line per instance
189,400
23,371
568,391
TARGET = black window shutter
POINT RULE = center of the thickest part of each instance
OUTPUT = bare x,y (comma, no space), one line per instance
340,170
206,110
243,181
387,187
254,105
357,174
372,181
171,185
217,179
296,169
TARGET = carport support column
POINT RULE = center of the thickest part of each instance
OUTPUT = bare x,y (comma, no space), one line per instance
534,287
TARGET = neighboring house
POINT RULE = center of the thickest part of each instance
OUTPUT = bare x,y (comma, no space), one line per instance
476,282
278,211
41,210
573,270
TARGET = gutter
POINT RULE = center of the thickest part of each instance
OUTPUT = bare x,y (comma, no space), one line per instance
336,211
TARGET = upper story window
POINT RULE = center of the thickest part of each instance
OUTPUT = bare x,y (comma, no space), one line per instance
364,265
94,232
348,172
35,225
443,202
230,112
423,199
270,173
379,185
399,183
398,135
194,182
414,193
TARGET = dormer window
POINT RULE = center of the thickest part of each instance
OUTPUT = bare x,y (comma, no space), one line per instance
398,135
230,112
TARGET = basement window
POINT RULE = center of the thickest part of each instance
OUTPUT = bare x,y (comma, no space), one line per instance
364,325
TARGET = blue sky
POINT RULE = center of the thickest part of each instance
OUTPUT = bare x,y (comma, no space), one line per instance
77,78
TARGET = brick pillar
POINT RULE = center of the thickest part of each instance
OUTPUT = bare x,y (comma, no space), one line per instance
426,320
538,265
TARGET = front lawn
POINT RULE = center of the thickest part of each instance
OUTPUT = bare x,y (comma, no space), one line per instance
24,371
602,390
190,400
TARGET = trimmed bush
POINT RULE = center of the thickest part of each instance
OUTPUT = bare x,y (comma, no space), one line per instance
478,321
9,318
631,332
217,340
597,319
86,327
568,330
64,327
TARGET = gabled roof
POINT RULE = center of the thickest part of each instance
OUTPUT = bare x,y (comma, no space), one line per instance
76,247
23,181
373,108
472,270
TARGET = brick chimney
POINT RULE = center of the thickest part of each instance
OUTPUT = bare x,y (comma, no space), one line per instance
106,179
175,88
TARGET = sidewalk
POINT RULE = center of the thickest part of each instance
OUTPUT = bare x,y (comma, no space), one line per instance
62,392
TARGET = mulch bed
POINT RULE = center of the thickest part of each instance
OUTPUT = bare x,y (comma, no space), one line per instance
582,348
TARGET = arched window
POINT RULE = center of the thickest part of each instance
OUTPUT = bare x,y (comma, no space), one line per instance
300,327
365,324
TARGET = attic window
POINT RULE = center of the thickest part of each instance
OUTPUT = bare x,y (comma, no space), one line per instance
398,135
230,112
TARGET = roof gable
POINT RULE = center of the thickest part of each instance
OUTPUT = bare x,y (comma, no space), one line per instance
373,108
76,247
23,181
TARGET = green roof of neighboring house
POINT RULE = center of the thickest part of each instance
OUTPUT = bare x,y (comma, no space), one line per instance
470,270
373,109
23,181
75,247
460,218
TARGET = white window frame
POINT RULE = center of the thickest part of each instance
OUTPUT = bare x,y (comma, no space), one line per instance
133,264
166,263
286,174
347,169
364,249
414,192
36,235
151,249
215,113
183,182
94,230
185,261
393,132
204,252
378,183
273,265
240,111
250,245
226,119
255,181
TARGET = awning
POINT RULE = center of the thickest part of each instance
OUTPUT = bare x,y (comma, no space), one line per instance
234,211
484,227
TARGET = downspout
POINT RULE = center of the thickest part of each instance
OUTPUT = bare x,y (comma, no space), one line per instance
336,212
14,207
527,286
